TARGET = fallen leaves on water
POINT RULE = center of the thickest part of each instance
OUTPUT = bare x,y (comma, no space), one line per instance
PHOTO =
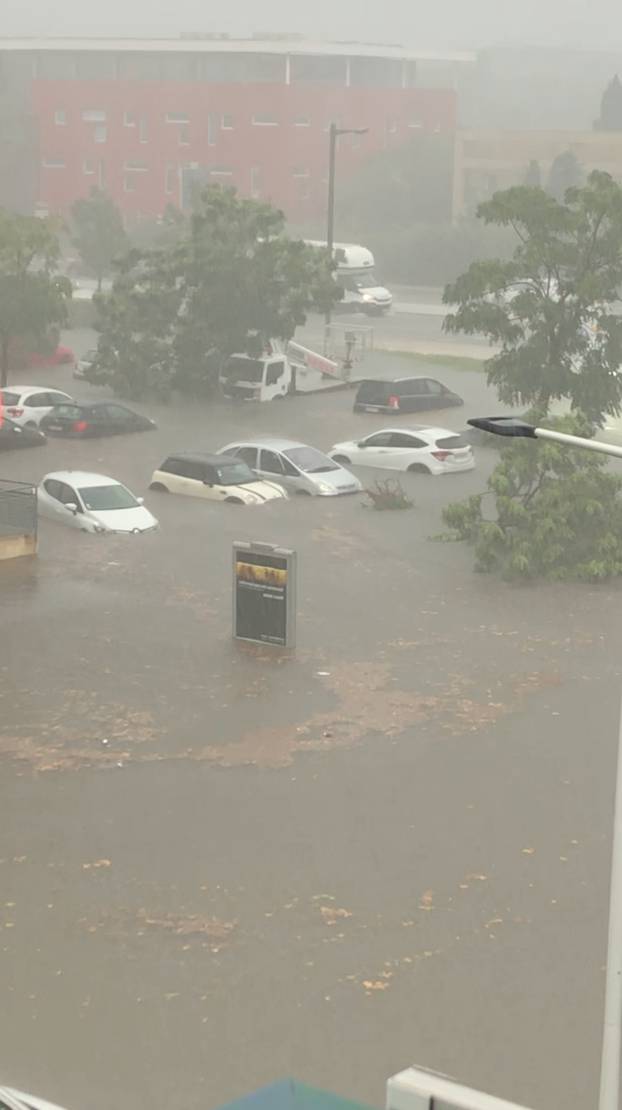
96,864
375,985
332,914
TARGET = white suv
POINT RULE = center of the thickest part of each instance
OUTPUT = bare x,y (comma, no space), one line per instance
26,405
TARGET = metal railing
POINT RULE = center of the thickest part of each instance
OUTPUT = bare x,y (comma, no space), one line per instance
18,508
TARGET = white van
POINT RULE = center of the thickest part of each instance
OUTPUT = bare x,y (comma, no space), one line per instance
355,275
280,373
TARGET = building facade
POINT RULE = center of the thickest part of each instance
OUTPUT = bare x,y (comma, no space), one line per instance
147,120
488,160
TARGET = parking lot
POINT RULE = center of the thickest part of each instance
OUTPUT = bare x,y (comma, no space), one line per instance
224,865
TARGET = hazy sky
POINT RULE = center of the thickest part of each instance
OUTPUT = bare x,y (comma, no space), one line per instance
424,23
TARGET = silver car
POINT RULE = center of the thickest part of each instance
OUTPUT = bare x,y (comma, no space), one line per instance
296,466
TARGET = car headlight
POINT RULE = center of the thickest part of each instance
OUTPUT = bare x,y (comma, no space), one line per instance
367,297
325,488
99,529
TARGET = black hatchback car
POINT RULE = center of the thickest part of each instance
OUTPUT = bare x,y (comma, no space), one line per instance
93,418
12,435
404,395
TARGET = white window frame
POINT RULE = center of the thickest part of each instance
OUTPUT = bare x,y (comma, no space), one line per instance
60,117
264,122
302,121
100,133
129,119
183,135
127,178
177,118
221,172
226,126
53,163
300,174
135,167
93,115
171,173
85,166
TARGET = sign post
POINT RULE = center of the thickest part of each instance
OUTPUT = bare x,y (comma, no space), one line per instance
264,594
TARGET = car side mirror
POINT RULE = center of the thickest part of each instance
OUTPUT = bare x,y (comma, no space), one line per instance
17,430
71,506
140,500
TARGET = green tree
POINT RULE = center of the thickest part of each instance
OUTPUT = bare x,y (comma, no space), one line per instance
610,118
565,173
533,175
33,297
549,308
98,232
550,512
232,282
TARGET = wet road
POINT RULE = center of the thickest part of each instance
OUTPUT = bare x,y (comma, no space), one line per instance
221,866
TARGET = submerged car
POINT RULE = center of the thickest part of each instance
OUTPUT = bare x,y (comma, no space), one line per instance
422,450
404,395
92,503
217,477
301,469
27,405
12,435
86,419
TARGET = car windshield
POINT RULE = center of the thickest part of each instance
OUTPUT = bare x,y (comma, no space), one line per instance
310,460
244,370
235,474
101,498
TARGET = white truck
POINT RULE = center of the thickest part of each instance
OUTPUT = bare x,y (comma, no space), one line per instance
279,372
355,275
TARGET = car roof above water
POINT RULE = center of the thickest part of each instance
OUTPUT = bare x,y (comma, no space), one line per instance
275,443
82,477
201,457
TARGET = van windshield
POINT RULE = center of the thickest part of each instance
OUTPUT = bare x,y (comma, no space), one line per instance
244,370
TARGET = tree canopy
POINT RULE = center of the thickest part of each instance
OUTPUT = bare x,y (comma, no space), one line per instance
232,281
549,308
565,173
549,510
610,118
98,232
32,296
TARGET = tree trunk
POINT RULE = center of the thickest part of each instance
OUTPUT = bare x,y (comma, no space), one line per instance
4,363
99,283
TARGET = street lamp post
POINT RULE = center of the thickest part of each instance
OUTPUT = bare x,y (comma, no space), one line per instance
333,134
609,1094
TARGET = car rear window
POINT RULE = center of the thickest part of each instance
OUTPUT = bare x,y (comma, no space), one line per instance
9,398
71,411
451,441
373,391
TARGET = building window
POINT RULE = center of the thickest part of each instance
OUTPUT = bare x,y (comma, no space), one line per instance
60,117
88,166
264,119
415,124
129,183
177,117
301,173
170,180
53,163
101,174
142,130
391,127
136,167
183,136
100,133
255,182
220,171
302,121
94,115
129,119
226,122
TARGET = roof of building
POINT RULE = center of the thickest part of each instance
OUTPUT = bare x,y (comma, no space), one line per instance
206,44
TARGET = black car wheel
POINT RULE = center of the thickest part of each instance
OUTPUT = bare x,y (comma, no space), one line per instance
418,468
158,487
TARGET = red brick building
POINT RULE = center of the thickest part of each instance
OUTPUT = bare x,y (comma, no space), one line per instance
146,119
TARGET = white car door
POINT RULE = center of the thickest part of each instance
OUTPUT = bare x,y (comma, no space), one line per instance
375,450
37,405
406,449
54,498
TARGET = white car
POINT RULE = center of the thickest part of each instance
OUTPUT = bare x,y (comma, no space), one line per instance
92,503
26,405
216,477
84,363
422,450
10,1099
